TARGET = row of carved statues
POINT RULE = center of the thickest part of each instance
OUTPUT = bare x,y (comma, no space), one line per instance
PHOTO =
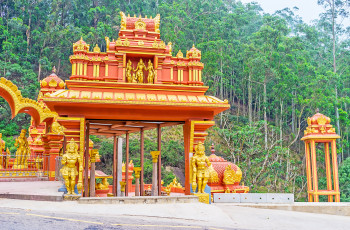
138,75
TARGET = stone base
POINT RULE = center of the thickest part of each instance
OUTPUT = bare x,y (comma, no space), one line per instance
203,197
71,197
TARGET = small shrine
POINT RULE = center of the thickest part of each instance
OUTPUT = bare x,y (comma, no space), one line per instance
320,132
225,176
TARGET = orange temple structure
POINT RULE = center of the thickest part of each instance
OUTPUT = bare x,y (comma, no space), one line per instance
320,131
134,85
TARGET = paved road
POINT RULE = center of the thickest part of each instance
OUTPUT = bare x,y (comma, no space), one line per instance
18,219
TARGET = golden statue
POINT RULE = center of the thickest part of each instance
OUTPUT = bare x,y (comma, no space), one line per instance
129,76
22,152
2,155
151,72
200,172
104,185
69,170
139,71
56,128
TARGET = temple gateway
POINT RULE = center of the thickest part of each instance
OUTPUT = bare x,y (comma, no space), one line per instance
135,85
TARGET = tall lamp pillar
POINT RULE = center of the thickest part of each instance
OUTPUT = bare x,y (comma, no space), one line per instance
137,180
320,131
155,155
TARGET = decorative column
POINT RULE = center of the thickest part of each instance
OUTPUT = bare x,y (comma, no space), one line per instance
54,142
320,131
155,155
92,172
137,180
122,187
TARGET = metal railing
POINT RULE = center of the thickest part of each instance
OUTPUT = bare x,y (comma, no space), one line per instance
58,166
23,166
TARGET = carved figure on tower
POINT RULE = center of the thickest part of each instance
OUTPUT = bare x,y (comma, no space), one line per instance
129,76
151,72
200,168
139,71
22,152
69,170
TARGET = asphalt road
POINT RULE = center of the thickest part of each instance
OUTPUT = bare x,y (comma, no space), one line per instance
11,218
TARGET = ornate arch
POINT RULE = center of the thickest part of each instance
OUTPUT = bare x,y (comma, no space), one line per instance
19,104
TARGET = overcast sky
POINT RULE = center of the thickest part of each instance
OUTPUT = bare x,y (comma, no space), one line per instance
308,9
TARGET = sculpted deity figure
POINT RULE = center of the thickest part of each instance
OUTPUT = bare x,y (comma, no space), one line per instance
129,75
139,71
2,150
200,165
69,170
56,128
151,72
22,152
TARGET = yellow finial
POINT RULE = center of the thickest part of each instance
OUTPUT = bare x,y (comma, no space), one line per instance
146,16
129,15
140,16
193,46
53,69
150,17
134,15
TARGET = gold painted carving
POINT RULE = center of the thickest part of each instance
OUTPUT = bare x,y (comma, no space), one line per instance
2,148
69,170
139,71
161,45
140,43
21,103
56,128
155,44
157,23
321,120
151,73
107,43
97,49
140,25
126,42
123,21
213,175
118,42
155,155
53,83
231,176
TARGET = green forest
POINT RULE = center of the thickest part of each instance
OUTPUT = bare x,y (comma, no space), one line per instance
274,69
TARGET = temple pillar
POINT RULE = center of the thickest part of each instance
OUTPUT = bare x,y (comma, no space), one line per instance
154,191
119,164
142,149
194,131
159,172
127,165
92,173
137,180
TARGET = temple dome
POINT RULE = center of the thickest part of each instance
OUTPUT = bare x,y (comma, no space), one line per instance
52,82
193,53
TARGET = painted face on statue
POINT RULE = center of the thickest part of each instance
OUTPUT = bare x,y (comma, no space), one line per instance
71,148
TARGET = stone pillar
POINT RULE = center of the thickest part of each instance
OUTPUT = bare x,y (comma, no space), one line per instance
122,188
137,180
155,155
92,172
119,165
